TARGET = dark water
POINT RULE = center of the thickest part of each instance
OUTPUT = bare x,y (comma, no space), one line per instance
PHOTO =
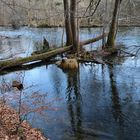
97,102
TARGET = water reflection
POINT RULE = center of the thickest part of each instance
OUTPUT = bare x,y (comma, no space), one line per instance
74,102
116,102
14,47
95,101
73,86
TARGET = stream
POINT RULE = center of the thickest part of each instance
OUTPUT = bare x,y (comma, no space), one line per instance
99,102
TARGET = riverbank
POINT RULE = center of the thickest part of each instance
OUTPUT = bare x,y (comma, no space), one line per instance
12,129
56,26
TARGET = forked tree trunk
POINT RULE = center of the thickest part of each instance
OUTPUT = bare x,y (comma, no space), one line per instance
67,23
71,24
113,27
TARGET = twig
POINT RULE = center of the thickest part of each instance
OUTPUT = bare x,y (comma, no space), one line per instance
91,60
131,54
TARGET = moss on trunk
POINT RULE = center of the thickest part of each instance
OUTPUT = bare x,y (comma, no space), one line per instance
43,56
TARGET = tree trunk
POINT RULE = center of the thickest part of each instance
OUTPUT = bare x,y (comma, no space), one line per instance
74,24
43,56
67,23
112,30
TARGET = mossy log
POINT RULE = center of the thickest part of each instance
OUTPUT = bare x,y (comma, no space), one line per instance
86,42
43,56
42,51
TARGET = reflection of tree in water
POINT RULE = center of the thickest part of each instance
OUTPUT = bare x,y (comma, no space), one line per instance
73,86
11,47
117,109
74,100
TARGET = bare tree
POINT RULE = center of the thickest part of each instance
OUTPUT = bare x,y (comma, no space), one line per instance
71,23
113,26
74,24
67,23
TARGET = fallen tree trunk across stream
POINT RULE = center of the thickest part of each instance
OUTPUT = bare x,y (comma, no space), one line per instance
43,56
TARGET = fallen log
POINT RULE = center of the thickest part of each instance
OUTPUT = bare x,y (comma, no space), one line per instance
86,42
46,55
43,56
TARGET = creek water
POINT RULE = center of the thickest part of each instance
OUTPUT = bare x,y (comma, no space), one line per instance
98,102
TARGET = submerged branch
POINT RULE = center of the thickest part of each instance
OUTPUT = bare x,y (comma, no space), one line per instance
92,61
129,53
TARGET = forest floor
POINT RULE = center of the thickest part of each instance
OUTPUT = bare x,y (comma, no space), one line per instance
12,129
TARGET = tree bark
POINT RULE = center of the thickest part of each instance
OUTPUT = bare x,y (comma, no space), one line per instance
113,27
74,24
67,23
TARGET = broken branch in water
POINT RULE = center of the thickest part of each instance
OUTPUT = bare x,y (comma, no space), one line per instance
130,54
137,52
92,61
